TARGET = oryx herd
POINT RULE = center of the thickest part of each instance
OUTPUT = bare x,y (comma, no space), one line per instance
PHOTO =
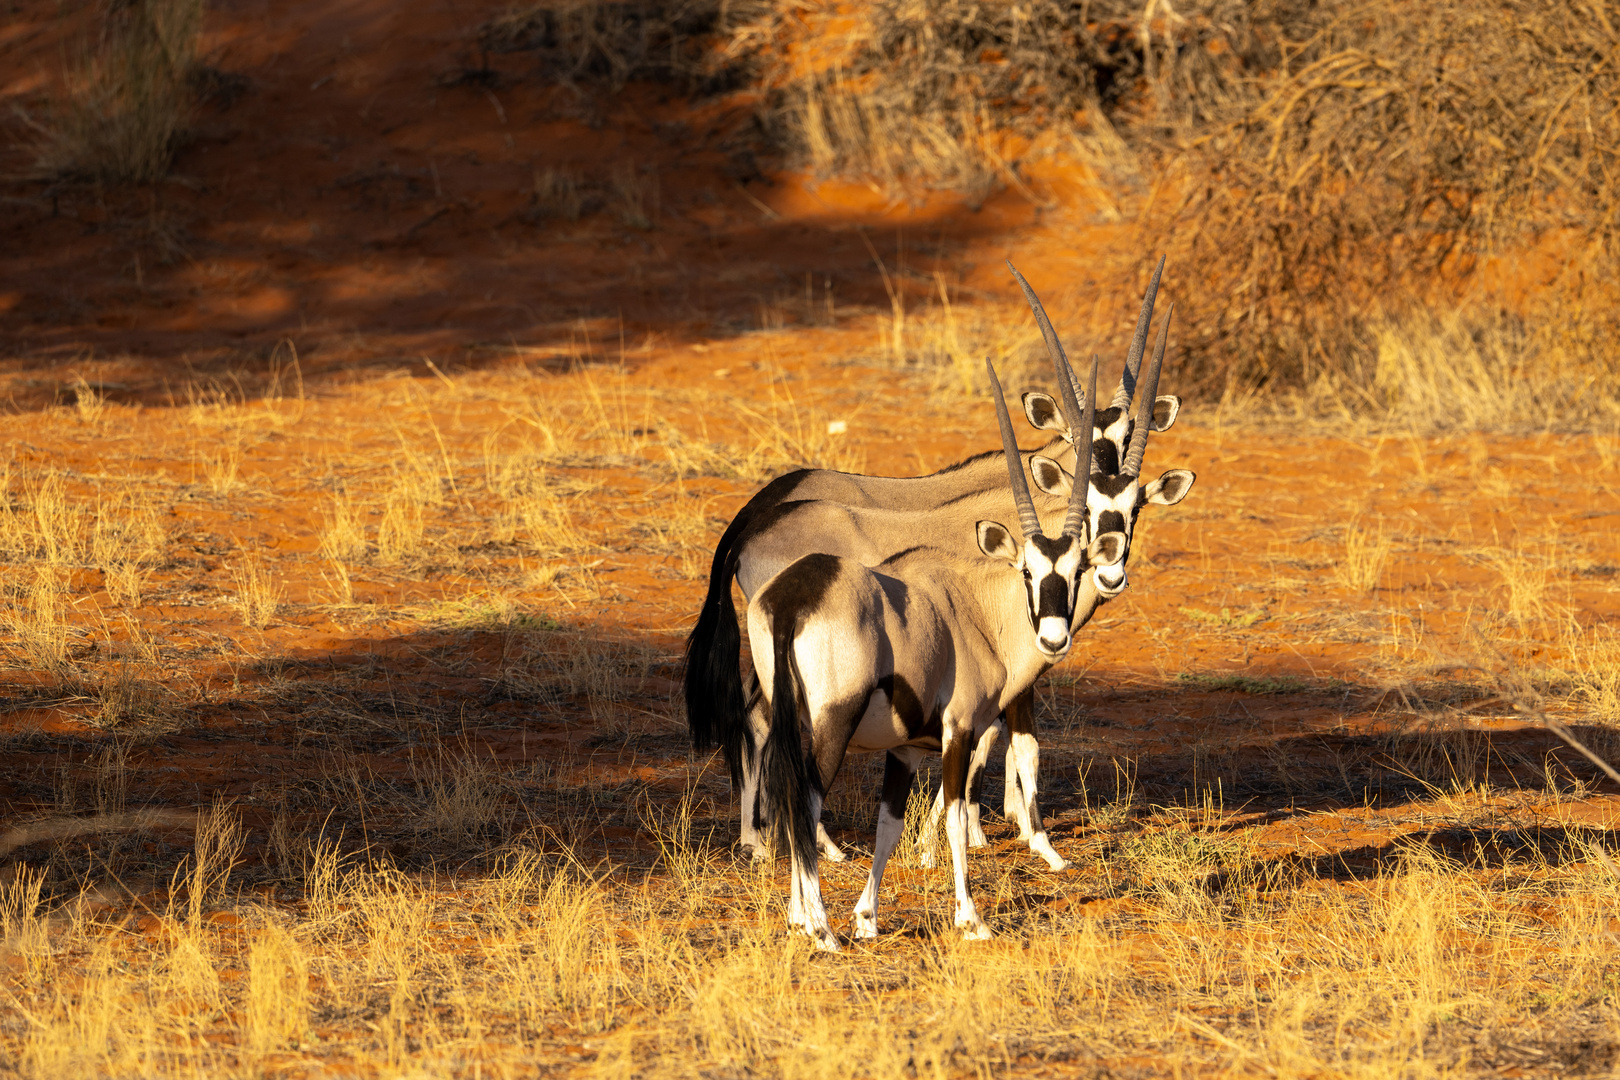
914,615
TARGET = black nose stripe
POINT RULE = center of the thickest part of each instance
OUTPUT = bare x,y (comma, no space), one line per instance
1054,598
1110,521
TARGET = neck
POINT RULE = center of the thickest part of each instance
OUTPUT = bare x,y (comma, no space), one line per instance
1004,621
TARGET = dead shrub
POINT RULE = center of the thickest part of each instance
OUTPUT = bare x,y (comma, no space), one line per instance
1374,169
947,95
128,98
612,43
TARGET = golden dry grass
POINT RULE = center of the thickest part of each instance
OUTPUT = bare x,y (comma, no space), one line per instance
1413,970
456,904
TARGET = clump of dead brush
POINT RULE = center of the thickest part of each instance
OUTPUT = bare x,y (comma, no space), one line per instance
611,42
1378,160
128,97
928,95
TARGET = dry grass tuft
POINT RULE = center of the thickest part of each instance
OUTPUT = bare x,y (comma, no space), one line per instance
1366,551
221,467
559,193
36,621
128,99
276,1014
402,530
258,596
216,851
126,540
635,196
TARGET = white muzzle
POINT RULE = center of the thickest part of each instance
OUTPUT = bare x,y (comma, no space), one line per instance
1052,637
1111,580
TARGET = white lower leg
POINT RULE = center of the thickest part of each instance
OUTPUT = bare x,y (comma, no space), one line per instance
750,837
967,916
812,913
1015,803
1012,800
1027,751
889,828
975,834
827,845
975,779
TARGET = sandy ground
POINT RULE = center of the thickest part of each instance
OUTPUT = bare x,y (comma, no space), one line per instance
346,296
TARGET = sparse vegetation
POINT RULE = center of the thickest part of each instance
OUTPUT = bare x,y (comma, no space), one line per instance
340,719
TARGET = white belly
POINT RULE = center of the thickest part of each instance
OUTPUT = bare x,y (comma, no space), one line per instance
881,729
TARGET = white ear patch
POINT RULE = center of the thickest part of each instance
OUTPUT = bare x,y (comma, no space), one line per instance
1043,412
1171,488
996,542
1166,407
1050,477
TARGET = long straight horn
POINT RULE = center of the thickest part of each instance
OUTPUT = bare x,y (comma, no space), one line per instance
1076,519
1015,463
1133,359
1054,347
1068,381
1144,408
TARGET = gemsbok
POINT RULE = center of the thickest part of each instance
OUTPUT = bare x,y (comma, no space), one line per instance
915,654
1116,496
870,519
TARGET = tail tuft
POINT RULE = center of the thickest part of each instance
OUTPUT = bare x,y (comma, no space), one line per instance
786,780
716,703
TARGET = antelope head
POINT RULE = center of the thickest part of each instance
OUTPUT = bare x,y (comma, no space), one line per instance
1114,491
1052,567
1045,413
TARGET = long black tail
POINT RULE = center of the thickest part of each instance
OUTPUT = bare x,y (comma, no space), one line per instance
716,708
785,778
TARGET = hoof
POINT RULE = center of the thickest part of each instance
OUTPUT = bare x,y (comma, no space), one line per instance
865,928
975,931
926,860
823,940
832,852
821,937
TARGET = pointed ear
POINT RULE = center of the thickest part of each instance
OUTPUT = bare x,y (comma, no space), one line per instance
1050,477
1106,550
1166,407
1170,488
996,542
1043,413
